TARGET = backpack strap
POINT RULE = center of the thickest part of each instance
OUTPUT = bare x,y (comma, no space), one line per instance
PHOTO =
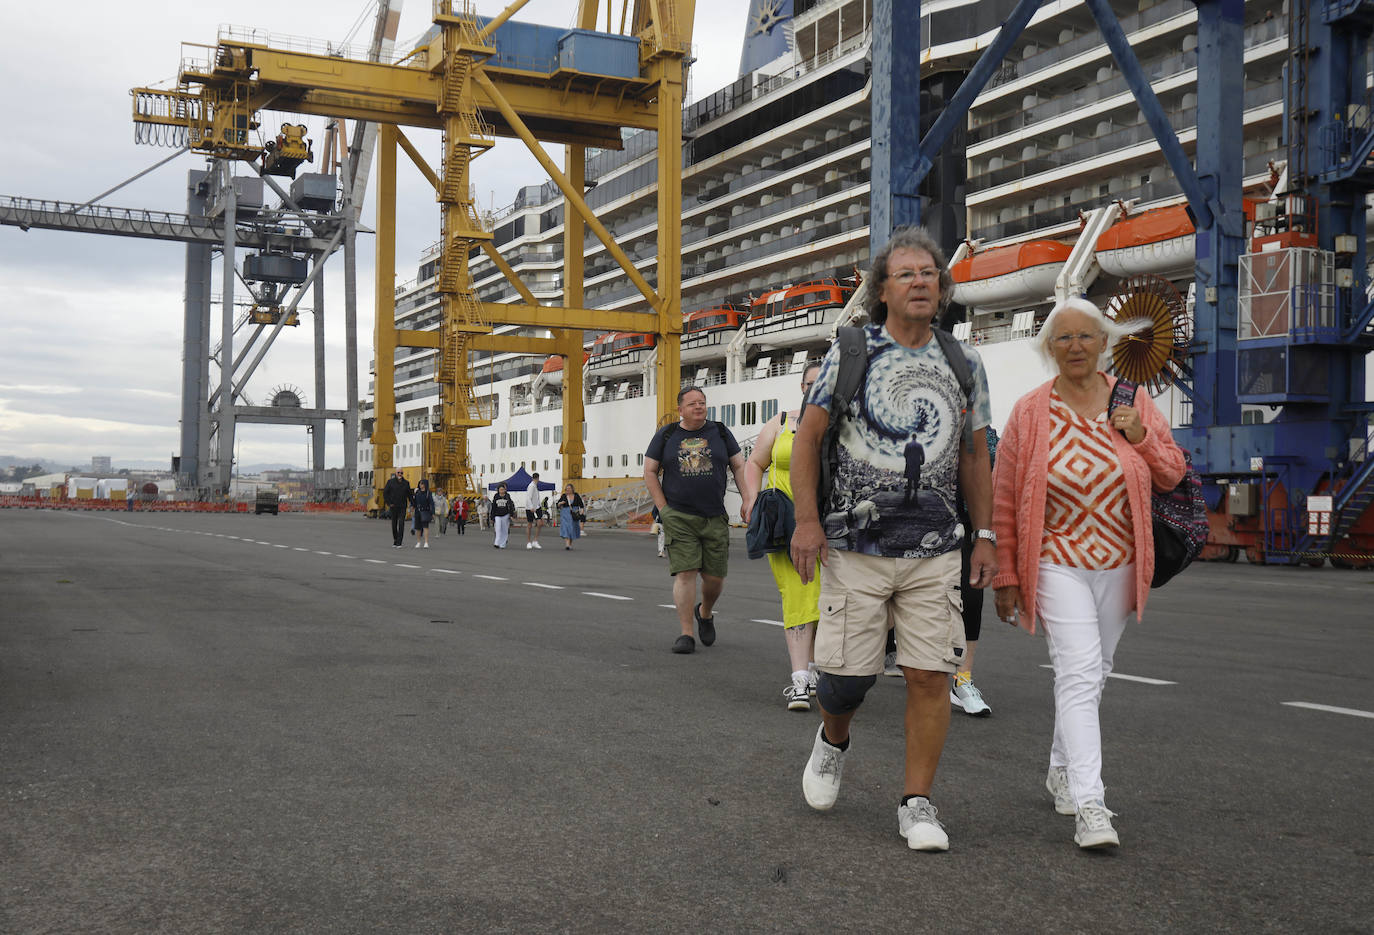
963,373
853,369
954,355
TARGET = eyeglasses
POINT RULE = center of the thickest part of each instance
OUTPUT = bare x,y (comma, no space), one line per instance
1067,340
904,277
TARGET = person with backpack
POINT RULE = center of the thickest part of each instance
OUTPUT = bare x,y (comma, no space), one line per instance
693,456
1072,515
396,495
885,554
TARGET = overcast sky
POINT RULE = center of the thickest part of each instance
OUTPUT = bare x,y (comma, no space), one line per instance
90,351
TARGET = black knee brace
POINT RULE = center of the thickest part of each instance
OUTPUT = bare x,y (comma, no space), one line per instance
842,694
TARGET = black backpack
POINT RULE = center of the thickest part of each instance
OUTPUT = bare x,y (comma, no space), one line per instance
852,372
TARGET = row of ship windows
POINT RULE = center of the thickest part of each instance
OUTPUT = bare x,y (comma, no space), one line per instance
499,468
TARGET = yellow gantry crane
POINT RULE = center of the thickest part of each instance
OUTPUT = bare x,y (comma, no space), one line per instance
473,78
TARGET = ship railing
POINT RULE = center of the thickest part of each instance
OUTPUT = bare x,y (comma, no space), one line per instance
249,35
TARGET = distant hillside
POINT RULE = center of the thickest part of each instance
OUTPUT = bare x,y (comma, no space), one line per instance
53,467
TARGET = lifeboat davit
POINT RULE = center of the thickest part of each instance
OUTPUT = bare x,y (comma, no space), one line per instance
1159,241
1011,275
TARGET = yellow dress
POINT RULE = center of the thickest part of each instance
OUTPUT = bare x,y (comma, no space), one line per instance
800,602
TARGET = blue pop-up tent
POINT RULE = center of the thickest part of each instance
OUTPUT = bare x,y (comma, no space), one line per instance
520,480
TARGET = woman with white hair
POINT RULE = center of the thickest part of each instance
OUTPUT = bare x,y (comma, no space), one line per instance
1071,508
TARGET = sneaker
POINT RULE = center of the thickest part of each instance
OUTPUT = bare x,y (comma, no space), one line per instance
426,545
811,682
529,545
795,693
917,823
1094,827
890,666
966,696
684,644
1057,783
538,546
706,626
821,778
417,545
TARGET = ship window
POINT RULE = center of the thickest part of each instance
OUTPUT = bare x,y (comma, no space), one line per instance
546,437
524,437
558,433
546,464
492,443
514,439
748,413
641,460
596,461
770,409
711,413
727,414
624,460
584,431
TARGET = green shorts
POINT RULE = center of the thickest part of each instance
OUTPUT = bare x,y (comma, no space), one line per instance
696,542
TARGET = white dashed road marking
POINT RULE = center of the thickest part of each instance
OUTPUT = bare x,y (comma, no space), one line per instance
1353,712
771,623
491,577
374,561
446,571
1128,678
609,597
551,587
399,565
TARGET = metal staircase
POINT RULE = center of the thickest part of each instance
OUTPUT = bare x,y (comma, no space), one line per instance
1347,507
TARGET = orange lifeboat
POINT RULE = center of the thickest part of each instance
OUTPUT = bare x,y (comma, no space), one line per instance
1159,241
552,371
1010,275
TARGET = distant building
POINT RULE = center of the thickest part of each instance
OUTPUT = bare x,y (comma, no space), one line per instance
100,464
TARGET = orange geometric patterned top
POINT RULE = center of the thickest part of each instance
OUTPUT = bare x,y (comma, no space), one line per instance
1087,513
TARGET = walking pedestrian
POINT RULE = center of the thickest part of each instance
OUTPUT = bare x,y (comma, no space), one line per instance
483,512
441,511
570,513
694,455
424,513
396,496
1075,541
534,514
884,554
502,509
460,514
771,460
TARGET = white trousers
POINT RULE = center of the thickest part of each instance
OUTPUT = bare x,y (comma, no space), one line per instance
1084,612
502,530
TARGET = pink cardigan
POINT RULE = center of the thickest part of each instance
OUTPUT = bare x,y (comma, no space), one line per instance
1021,478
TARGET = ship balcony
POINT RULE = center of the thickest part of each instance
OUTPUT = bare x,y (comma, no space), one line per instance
1110,92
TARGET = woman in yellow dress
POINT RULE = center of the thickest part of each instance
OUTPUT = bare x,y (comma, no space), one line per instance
771,461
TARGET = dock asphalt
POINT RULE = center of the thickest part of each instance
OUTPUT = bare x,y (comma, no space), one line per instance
234,723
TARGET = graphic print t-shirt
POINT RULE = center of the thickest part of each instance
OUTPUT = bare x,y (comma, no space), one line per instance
895,492
694,465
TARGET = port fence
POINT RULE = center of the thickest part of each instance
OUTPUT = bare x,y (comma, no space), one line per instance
171,506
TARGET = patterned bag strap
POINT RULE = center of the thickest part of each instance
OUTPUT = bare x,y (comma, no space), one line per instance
1123,394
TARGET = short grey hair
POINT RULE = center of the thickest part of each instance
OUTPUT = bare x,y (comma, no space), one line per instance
906,238
682,393
1113,330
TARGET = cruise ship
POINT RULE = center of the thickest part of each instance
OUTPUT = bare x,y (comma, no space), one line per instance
1055,182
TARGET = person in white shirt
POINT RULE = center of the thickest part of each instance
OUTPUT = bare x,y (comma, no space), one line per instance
534,520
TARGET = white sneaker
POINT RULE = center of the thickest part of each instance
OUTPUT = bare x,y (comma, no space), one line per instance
426,545
1094,827
796,695
417,545
821,778
967,697
1057,783
917,823
538,546
529,545
890,666
811,678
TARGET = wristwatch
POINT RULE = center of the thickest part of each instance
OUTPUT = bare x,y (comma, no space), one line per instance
987,534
